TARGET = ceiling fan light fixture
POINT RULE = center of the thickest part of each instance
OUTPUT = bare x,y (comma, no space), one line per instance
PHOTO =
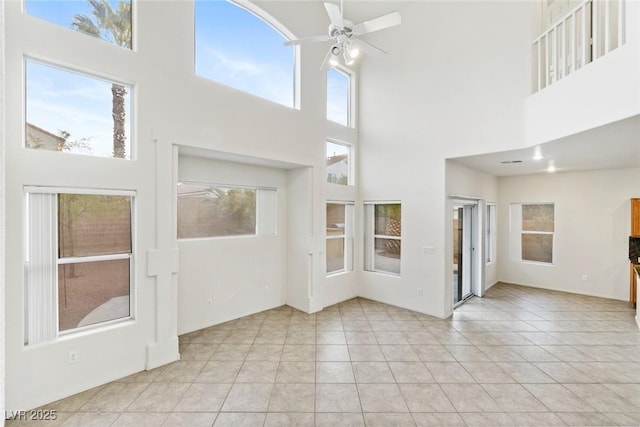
343,32
354,52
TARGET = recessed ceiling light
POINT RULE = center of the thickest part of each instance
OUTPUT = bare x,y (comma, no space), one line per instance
551,168
537,155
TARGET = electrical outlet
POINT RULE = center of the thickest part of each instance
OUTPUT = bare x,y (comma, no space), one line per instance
585,277
419,292
209,301
73,356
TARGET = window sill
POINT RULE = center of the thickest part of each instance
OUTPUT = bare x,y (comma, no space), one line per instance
384,273
338,273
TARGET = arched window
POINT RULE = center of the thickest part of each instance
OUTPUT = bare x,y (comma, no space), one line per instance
235,47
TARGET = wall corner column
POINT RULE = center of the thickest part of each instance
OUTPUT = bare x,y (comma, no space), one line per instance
162,262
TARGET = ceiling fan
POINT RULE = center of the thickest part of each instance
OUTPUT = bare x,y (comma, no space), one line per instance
343,33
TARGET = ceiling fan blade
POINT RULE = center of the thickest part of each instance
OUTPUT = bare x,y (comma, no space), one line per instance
377,24
367,48
307,40
335,15
325,61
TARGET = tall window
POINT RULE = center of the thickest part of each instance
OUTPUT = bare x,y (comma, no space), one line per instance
537,232
490,233
210,210
109,20
339,237
338,163
79,260
383,231
75,113
338,97
238,49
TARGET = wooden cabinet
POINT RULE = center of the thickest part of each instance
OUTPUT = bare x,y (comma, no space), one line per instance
635,217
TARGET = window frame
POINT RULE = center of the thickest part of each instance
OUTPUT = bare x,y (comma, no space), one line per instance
86,74
523,232
370,237
347,237
350,166
350,75
257,232
56,260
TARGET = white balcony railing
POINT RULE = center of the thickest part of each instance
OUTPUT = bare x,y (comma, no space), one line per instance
589,31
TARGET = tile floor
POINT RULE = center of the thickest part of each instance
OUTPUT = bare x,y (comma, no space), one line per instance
518,357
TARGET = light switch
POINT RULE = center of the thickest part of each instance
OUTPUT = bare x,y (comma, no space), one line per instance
428,250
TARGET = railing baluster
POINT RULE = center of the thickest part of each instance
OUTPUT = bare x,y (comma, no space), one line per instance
554,50
563,51
539,66
584,40
621,22
547,65
595,32
572,63
607,35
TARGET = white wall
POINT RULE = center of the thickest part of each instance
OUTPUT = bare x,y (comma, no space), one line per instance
462,181
171,106
453,84
238,275
592,212
2,221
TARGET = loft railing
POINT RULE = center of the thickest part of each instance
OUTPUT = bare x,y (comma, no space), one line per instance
589,31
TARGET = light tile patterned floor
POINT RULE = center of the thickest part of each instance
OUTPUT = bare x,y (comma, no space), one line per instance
518,357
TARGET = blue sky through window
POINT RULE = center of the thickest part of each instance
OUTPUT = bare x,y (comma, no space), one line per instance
334,149
59,100
238,49
60,12
338,96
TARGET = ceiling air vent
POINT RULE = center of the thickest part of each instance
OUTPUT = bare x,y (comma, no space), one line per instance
509,162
